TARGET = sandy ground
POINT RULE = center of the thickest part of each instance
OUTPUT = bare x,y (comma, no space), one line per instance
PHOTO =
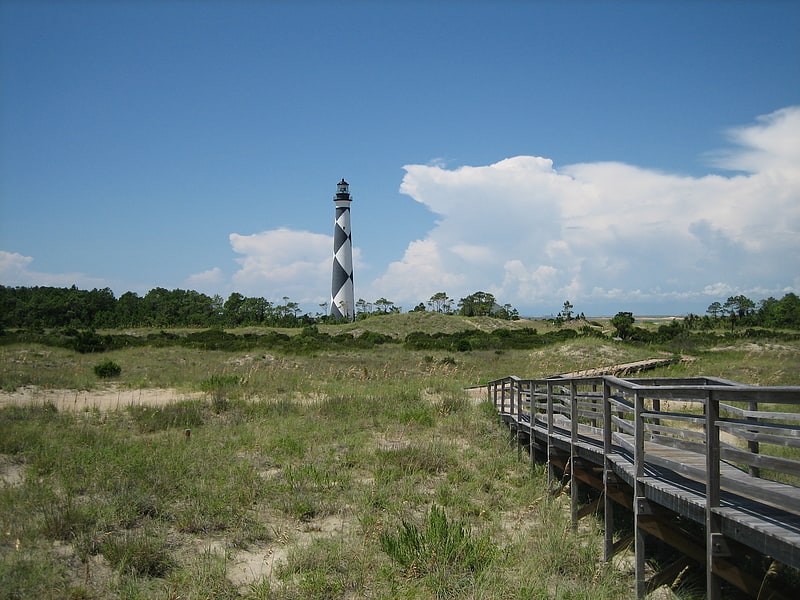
104,399
245,566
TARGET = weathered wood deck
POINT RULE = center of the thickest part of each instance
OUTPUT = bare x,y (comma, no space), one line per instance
674,452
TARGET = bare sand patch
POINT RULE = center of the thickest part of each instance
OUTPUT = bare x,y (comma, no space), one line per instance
754,347
11,472
105,399
263,561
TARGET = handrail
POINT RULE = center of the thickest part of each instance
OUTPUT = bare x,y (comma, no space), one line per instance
729,443
677,413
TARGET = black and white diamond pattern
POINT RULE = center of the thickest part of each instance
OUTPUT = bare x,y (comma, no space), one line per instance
342,299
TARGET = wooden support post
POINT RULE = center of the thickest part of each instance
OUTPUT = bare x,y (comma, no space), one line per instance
608,506
497,392
657,408
639,501
549,435
752,445
532,424
714,541
574,490
515,399
516,413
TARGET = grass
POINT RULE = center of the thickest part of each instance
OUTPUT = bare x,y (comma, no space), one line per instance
441,547
371,473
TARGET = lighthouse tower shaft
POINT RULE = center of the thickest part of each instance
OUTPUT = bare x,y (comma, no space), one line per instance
342,299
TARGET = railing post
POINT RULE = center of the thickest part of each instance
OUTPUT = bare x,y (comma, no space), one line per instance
515,399
516,411
714,543
498,399
657,408
639,500
532,422
574,495
549,434
752,445
608,473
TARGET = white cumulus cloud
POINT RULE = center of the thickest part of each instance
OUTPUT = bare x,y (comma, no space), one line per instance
284,262
210,281
770,144
534,235
15,270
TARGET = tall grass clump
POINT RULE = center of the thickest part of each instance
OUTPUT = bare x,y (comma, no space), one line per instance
204,577
221,388
326,568
446,550
22,427
419,460
143,552
307,490
184,414
564,560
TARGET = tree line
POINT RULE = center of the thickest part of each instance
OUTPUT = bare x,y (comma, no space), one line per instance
741,311
737,312
69,318
54,307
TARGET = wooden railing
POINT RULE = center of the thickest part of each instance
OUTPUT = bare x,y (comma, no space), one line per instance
733,438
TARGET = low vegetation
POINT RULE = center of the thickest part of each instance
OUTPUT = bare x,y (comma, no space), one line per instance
324,473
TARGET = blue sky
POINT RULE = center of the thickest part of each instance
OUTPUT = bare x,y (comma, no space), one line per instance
638,156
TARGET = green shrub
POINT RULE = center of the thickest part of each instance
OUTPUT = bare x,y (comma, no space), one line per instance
87,342
107,369
463,346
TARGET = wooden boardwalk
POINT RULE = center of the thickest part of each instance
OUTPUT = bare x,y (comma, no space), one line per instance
705,465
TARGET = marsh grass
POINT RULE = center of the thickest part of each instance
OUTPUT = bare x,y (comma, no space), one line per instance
373,439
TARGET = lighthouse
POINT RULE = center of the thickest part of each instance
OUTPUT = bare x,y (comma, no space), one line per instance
342,301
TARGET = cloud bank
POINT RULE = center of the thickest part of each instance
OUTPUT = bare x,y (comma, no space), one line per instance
607,234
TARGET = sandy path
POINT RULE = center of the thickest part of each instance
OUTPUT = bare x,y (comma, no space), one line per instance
107,398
